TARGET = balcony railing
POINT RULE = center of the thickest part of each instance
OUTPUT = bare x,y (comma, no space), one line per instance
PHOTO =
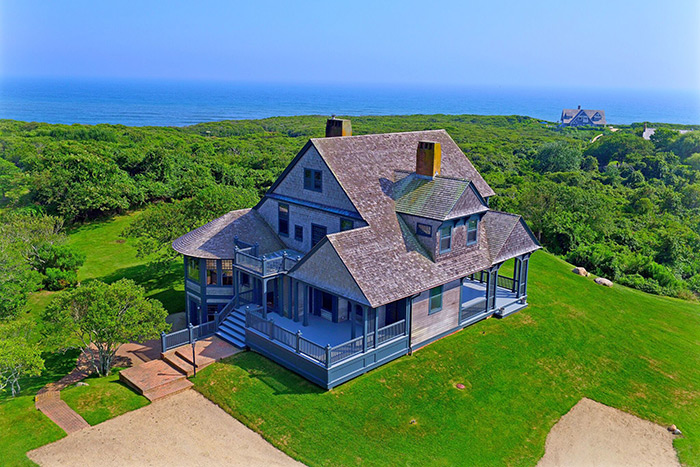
261,265
324,356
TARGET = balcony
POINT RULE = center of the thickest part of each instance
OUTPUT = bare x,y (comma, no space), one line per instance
264,266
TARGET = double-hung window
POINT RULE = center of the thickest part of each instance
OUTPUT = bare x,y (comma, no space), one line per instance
472,227
283,219
445,239
313,180
226,272
435,300
211,272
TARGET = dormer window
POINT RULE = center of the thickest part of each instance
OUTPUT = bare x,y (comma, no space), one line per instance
424,230
472,228
446,239
313,180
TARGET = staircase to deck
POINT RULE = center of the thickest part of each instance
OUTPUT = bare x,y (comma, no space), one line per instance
232,329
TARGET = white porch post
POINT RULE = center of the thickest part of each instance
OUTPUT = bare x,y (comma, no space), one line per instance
307,305
364,328
264,298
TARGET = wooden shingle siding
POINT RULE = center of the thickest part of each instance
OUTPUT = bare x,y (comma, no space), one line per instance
293,184
303,216
426,326
325,270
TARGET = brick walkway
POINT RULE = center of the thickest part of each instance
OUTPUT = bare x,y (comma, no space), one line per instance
51,405
48,399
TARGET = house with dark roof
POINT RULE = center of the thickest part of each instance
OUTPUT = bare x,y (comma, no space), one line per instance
582,117
366,248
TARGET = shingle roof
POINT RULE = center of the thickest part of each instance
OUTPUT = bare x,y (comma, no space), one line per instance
384,258
435,198
568,114
215,240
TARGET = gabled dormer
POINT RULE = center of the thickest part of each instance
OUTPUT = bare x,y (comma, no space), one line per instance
442,212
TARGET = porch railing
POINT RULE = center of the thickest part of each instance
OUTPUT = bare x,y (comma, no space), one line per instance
328,355
189,334
506,283
389,332
471,310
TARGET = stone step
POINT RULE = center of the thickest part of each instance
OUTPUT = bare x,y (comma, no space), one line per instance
168,389
174,359
150,375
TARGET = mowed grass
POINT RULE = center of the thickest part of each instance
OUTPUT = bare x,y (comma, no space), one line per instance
23,428
110,257
103,398
633,351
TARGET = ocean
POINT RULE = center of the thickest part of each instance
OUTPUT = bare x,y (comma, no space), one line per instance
170,103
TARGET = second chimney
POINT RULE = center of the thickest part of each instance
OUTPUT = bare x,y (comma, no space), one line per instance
338,127
428,157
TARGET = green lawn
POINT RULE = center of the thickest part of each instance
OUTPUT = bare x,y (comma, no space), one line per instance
103,398
637,352
108,258
23,428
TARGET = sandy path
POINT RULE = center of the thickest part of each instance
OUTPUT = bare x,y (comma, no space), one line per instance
185,429
593,434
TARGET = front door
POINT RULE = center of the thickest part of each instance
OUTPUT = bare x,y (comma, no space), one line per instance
194,313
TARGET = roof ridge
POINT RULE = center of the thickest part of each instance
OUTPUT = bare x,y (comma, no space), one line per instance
437,130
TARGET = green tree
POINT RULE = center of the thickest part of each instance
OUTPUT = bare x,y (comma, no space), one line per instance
160,224
104,316
18,357
558,156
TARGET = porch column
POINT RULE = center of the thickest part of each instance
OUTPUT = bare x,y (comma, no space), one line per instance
264,298
376,326
295,300
524,267
491,282
307,305
236,287
364,328
351,317
517,266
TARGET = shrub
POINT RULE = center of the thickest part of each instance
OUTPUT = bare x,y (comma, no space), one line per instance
58,279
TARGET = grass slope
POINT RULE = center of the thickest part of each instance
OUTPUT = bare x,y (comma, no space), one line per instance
624,348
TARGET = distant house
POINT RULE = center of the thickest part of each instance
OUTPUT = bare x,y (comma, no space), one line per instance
364,249
582,117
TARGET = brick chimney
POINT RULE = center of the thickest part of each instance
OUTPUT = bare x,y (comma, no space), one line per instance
579,107
428,157
338,127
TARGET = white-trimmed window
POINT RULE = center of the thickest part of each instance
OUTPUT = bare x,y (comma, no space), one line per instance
445,239
472,229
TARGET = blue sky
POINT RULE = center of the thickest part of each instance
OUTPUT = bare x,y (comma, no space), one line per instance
614,44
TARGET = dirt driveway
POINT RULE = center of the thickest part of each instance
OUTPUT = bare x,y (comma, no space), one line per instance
185,429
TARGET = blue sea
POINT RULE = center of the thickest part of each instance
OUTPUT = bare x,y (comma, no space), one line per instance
168,103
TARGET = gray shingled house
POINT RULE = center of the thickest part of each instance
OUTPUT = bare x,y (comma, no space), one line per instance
582,117
364,249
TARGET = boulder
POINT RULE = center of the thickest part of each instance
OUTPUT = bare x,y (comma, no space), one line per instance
605,282
81,383
580,271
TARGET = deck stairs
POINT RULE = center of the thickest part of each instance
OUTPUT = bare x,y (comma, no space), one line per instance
232,329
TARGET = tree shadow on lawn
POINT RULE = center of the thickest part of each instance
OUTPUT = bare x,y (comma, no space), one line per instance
57,365
274,376
156,277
